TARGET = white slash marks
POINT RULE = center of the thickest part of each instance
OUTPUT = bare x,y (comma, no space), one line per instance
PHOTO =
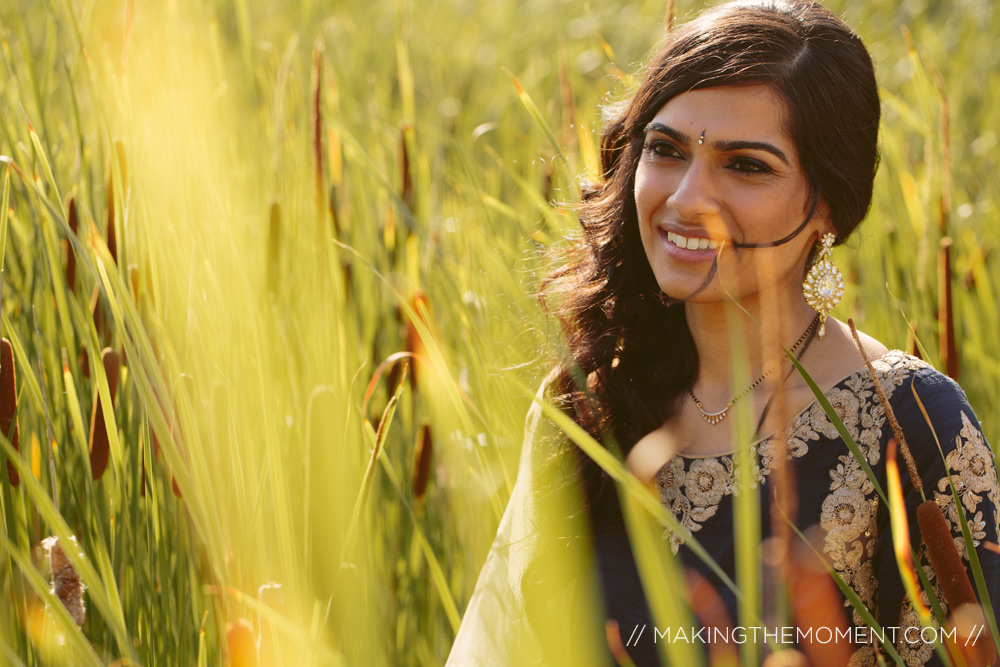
636,643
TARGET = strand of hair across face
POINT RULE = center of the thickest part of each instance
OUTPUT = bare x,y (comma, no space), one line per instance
668,300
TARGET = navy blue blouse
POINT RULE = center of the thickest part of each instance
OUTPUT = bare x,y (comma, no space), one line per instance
837,500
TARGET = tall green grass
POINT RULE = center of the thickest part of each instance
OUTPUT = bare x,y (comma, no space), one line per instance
267,260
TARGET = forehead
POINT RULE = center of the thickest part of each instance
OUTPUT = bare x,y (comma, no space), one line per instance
729,113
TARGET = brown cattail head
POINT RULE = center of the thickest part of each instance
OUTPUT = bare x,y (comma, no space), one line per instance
97,313
318,139
407,168
414,343
955,583
422,466
133,281
241,648
8,404
66,584
273,247
99,444
112,235
74,224
946,319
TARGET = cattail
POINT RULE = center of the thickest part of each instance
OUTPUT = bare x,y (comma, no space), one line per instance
407,168
318,141
668,21
414,343
273,247
66,584
422,467
890,414
99,447
133,281
112,235
74,225
946,319
241,648
97,313
8,404
954,581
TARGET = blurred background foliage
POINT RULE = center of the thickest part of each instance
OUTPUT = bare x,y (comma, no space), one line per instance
298,192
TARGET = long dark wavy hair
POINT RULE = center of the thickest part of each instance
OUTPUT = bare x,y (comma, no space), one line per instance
629,358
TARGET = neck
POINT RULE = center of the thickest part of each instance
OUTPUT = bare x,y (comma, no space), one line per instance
758,329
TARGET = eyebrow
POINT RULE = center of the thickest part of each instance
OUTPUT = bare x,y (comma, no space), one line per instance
724,146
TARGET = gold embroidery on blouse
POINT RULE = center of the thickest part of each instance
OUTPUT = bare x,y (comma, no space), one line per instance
849,511
693,496
974,476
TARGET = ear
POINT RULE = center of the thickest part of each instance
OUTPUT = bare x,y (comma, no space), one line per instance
823,219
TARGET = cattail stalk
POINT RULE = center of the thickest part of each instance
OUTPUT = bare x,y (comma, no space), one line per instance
45,410
911,465
8,404
946,318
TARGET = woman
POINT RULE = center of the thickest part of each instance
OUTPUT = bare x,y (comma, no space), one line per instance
748,150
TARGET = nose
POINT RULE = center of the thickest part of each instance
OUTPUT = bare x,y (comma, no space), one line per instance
695,195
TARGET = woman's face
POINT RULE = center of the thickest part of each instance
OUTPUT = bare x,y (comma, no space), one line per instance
717,166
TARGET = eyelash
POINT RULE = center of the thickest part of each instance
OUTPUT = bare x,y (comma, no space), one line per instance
740,164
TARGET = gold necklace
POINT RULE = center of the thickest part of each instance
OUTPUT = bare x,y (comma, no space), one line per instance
716,417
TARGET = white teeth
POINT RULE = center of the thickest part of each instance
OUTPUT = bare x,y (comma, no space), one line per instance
691,243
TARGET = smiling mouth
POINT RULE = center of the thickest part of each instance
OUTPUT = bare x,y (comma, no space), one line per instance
691,243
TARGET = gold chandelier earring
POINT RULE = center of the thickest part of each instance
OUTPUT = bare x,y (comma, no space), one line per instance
823,285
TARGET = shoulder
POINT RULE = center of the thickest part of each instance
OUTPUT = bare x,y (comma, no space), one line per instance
923,399
934,415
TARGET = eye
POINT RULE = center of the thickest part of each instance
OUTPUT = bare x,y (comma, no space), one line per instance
661,148
749,165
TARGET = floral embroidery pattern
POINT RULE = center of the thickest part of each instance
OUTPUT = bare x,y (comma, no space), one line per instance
693,496
973,474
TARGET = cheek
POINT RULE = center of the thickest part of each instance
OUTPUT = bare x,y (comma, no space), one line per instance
648,193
